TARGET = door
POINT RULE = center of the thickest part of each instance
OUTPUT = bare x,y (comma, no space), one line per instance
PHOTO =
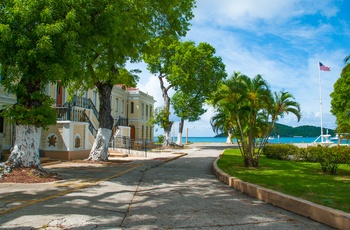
59,96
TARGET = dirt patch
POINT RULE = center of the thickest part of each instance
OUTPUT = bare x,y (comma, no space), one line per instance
34,175
27,175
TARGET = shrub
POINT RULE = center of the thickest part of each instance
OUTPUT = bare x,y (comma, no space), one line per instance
160,138
281,151
329,157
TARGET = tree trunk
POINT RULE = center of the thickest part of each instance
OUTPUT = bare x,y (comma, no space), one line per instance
179,136
167,135
251,161
228,139
167,124
99,151
25,152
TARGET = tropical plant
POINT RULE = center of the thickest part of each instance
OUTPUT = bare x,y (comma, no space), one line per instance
222,122
253,110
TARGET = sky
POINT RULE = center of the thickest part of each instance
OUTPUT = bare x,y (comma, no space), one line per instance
281,40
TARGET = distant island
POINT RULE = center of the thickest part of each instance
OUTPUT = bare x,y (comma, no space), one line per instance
300,131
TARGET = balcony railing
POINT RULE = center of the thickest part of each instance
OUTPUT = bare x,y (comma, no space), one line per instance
121,121
83,102
75,114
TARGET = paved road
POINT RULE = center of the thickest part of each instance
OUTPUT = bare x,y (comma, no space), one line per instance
180,194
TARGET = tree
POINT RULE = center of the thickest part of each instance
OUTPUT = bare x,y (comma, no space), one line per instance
37,47
194,71
111,34
187,108
254,110
340,105
222,122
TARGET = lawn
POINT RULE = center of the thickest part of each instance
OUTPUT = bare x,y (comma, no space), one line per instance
301,179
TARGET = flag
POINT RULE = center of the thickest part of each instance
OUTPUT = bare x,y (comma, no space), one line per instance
324,68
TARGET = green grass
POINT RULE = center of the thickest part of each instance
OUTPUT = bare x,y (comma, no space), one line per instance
301,179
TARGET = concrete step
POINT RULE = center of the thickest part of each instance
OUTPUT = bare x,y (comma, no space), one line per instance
49,161
44,159
116,154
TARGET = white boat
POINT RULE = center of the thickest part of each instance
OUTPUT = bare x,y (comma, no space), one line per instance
335,138
324,140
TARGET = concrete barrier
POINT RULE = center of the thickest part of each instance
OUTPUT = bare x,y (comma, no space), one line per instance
329,216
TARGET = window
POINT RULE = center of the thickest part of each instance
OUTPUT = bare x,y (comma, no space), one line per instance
132,107
123,104
94,97
146,110
116,106
2,127
143,110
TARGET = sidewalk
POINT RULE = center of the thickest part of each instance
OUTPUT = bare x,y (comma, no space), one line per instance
76,175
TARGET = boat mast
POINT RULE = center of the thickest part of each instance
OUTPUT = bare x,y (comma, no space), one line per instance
320,86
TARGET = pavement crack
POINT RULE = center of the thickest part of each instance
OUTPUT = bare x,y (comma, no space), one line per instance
138,189
132,199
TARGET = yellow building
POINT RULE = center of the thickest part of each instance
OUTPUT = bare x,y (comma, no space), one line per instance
78,120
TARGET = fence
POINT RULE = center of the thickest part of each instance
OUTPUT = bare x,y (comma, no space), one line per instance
134,146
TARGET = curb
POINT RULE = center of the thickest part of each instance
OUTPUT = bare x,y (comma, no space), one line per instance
329,216
177,157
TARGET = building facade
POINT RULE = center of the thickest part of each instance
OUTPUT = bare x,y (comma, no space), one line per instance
78,121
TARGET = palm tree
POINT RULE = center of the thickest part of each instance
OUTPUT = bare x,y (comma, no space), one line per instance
252,110
221,122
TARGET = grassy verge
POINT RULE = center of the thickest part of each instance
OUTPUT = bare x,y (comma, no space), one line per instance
301,179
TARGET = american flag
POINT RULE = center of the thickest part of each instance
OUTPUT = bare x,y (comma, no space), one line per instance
324,68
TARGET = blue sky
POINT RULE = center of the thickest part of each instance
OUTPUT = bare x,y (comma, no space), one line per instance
281,40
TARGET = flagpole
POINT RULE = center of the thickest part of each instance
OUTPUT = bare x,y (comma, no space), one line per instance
320,85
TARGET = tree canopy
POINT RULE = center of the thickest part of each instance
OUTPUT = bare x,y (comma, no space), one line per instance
340,104
115,32
37,41
193,71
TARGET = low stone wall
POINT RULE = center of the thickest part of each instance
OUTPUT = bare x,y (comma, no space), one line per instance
66,155
135,152
325,215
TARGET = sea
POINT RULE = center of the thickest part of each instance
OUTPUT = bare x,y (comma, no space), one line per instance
274,140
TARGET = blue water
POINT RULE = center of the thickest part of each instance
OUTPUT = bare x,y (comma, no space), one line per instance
283,140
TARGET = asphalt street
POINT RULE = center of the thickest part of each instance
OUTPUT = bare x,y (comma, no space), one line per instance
142,194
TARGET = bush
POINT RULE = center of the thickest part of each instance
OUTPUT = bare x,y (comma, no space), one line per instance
328,157
160,138
281,151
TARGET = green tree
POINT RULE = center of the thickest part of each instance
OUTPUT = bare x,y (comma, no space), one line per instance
222,122
254,110
340,104
193,71
205,74
187,108
115,32
37,47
